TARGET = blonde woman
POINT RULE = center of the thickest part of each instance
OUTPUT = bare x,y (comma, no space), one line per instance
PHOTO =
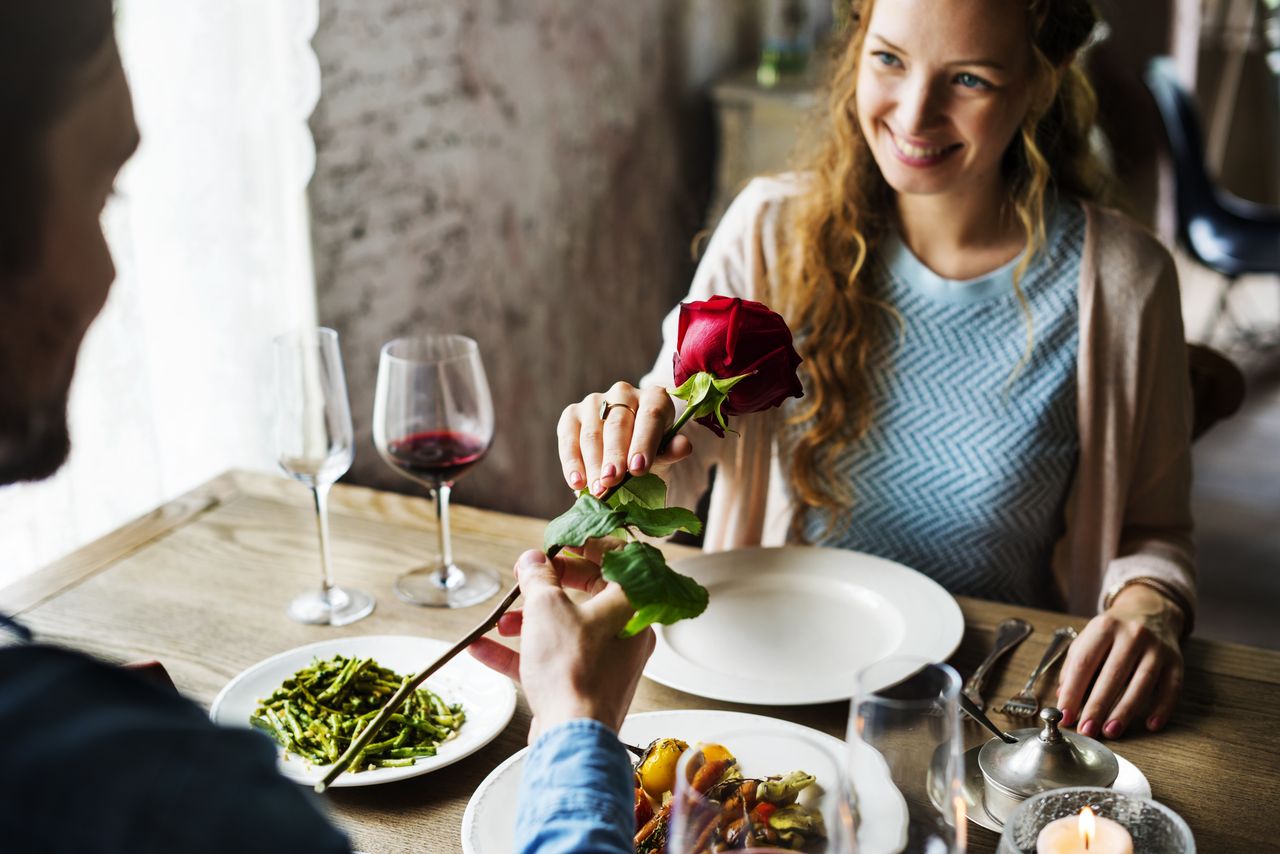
995,373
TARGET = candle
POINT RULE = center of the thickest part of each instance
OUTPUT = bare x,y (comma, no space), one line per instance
1084,834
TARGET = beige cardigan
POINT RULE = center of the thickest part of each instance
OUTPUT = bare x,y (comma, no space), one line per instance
1128,511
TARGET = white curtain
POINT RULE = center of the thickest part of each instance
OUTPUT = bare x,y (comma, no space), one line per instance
211,240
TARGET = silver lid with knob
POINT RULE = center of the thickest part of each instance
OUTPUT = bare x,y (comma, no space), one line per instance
1047,759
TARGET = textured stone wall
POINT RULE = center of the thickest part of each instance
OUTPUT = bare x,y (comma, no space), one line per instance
528,173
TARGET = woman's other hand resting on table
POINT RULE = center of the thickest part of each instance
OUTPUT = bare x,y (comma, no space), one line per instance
571,663
1130,653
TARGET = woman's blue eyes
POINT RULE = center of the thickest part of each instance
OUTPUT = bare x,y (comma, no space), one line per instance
964,78
971,81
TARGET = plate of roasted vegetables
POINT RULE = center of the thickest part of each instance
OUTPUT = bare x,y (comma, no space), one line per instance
312,701
794,625
770,798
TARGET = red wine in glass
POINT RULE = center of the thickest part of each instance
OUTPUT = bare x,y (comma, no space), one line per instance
433,421
436,456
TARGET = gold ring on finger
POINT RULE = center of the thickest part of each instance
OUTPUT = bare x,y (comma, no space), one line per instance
605,406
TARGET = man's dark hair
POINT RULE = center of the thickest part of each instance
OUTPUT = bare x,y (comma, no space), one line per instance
43,44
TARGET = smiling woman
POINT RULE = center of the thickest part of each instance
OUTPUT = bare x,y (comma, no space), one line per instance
208,230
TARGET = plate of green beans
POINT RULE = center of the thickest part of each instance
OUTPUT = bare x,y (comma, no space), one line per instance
312,701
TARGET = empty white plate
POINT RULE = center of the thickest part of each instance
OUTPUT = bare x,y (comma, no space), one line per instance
793,625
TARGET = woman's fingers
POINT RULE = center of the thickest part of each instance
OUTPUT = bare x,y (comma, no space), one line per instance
1084,656
1166,695
590,439
1112,679
654,414
1136,696
496,657
568,440
619,426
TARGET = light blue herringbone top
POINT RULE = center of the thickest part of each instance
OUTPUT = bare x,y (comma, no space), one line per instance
963,475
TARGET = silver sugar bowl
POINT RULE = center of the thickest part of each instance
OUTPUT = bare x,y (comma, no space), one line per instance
1042,759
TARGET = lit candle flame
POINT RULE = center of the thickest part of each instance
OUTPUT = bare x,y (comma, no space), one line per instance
1088,827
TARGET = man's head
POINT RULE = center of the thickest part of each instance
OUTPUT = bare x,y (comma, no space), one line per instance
68,128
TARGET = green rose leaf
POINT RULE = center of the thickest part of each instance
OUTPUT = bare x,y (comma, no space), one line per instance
588,517
647,490
662,521
658,593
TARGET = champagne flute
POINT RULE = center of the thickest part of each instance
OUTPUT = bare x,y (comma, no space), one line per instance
704,811
907,758
433,421
314,444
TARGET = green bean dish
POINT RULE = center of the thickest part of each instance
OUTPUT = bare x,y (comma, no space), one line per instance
321,709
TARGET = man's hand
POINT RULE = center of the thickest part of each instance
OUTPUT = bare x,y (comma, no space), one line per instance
571,663
1131,655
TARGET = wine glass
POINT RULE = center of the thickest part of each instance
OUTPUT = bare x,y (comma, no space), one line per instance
433,421
702,809
314,444
907,758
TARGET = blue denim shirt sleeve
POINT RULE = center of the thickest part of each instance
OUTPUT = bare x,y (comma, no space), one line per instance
577,793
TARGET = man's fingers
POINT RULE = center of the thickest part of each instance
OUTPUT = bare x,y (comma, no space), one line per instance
579,573
510,623
535,573
497,657
611,607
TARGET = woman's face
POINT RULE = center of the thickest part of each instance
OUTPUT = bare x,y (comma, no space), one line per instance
942,87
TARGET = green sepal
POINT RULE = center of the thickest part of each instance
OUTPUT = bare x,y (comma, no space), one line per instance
662,521
706,393
588,517
658,593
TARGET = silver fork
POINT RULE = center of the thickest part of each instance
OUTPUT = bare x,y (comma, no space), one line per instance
1025,704
1009,634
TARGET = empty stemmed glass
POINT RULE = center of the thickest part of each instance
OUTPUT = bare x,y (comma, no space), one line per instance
906,755
314,445
433,421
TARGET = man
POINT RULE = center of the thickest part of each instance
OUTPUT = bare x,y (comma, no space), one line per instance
97,758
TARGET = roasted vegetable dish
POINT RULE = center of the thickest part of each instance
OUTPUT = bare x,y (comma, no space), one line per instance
321,709
752,812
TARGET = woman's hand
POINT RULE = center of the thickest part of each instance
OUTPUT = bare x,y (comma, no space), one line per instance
571,662
597,455
1131,655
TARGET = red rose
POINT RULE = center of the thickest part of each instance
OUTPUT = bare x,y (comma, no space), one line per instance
728,337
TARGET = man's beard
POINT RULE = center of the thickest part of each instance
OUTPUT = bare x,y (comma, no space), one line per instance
33,445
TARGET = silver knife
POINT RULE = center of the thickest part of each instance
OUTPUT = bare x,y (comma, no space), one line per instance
1009,634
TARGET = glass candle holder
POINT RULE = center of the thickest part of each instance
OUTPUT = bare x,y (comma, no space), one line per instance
1155,828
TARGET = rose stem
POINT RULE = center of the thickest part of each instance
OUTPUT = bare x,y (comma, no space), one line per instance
398,698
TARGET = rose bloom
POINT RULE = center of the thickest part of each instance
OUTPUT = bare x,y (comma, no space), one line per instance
728,337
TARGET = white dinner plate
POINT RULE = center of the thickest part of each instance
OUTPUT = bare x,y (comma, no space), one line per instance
488,824
793,625
488,698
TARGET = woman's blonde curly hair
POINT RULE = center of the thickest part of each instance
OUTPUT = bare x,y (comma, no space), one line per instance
845,210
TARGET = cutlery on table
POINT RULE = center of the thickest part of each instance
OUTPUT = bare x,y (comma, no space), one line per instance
1009,634
1025,704
974,711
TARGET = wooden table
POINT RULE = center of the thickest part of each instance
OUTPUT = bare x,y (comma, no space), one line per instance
202,582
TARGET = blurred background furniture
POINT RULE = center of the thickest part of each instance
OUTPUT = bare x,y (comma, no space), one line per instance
1227,234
